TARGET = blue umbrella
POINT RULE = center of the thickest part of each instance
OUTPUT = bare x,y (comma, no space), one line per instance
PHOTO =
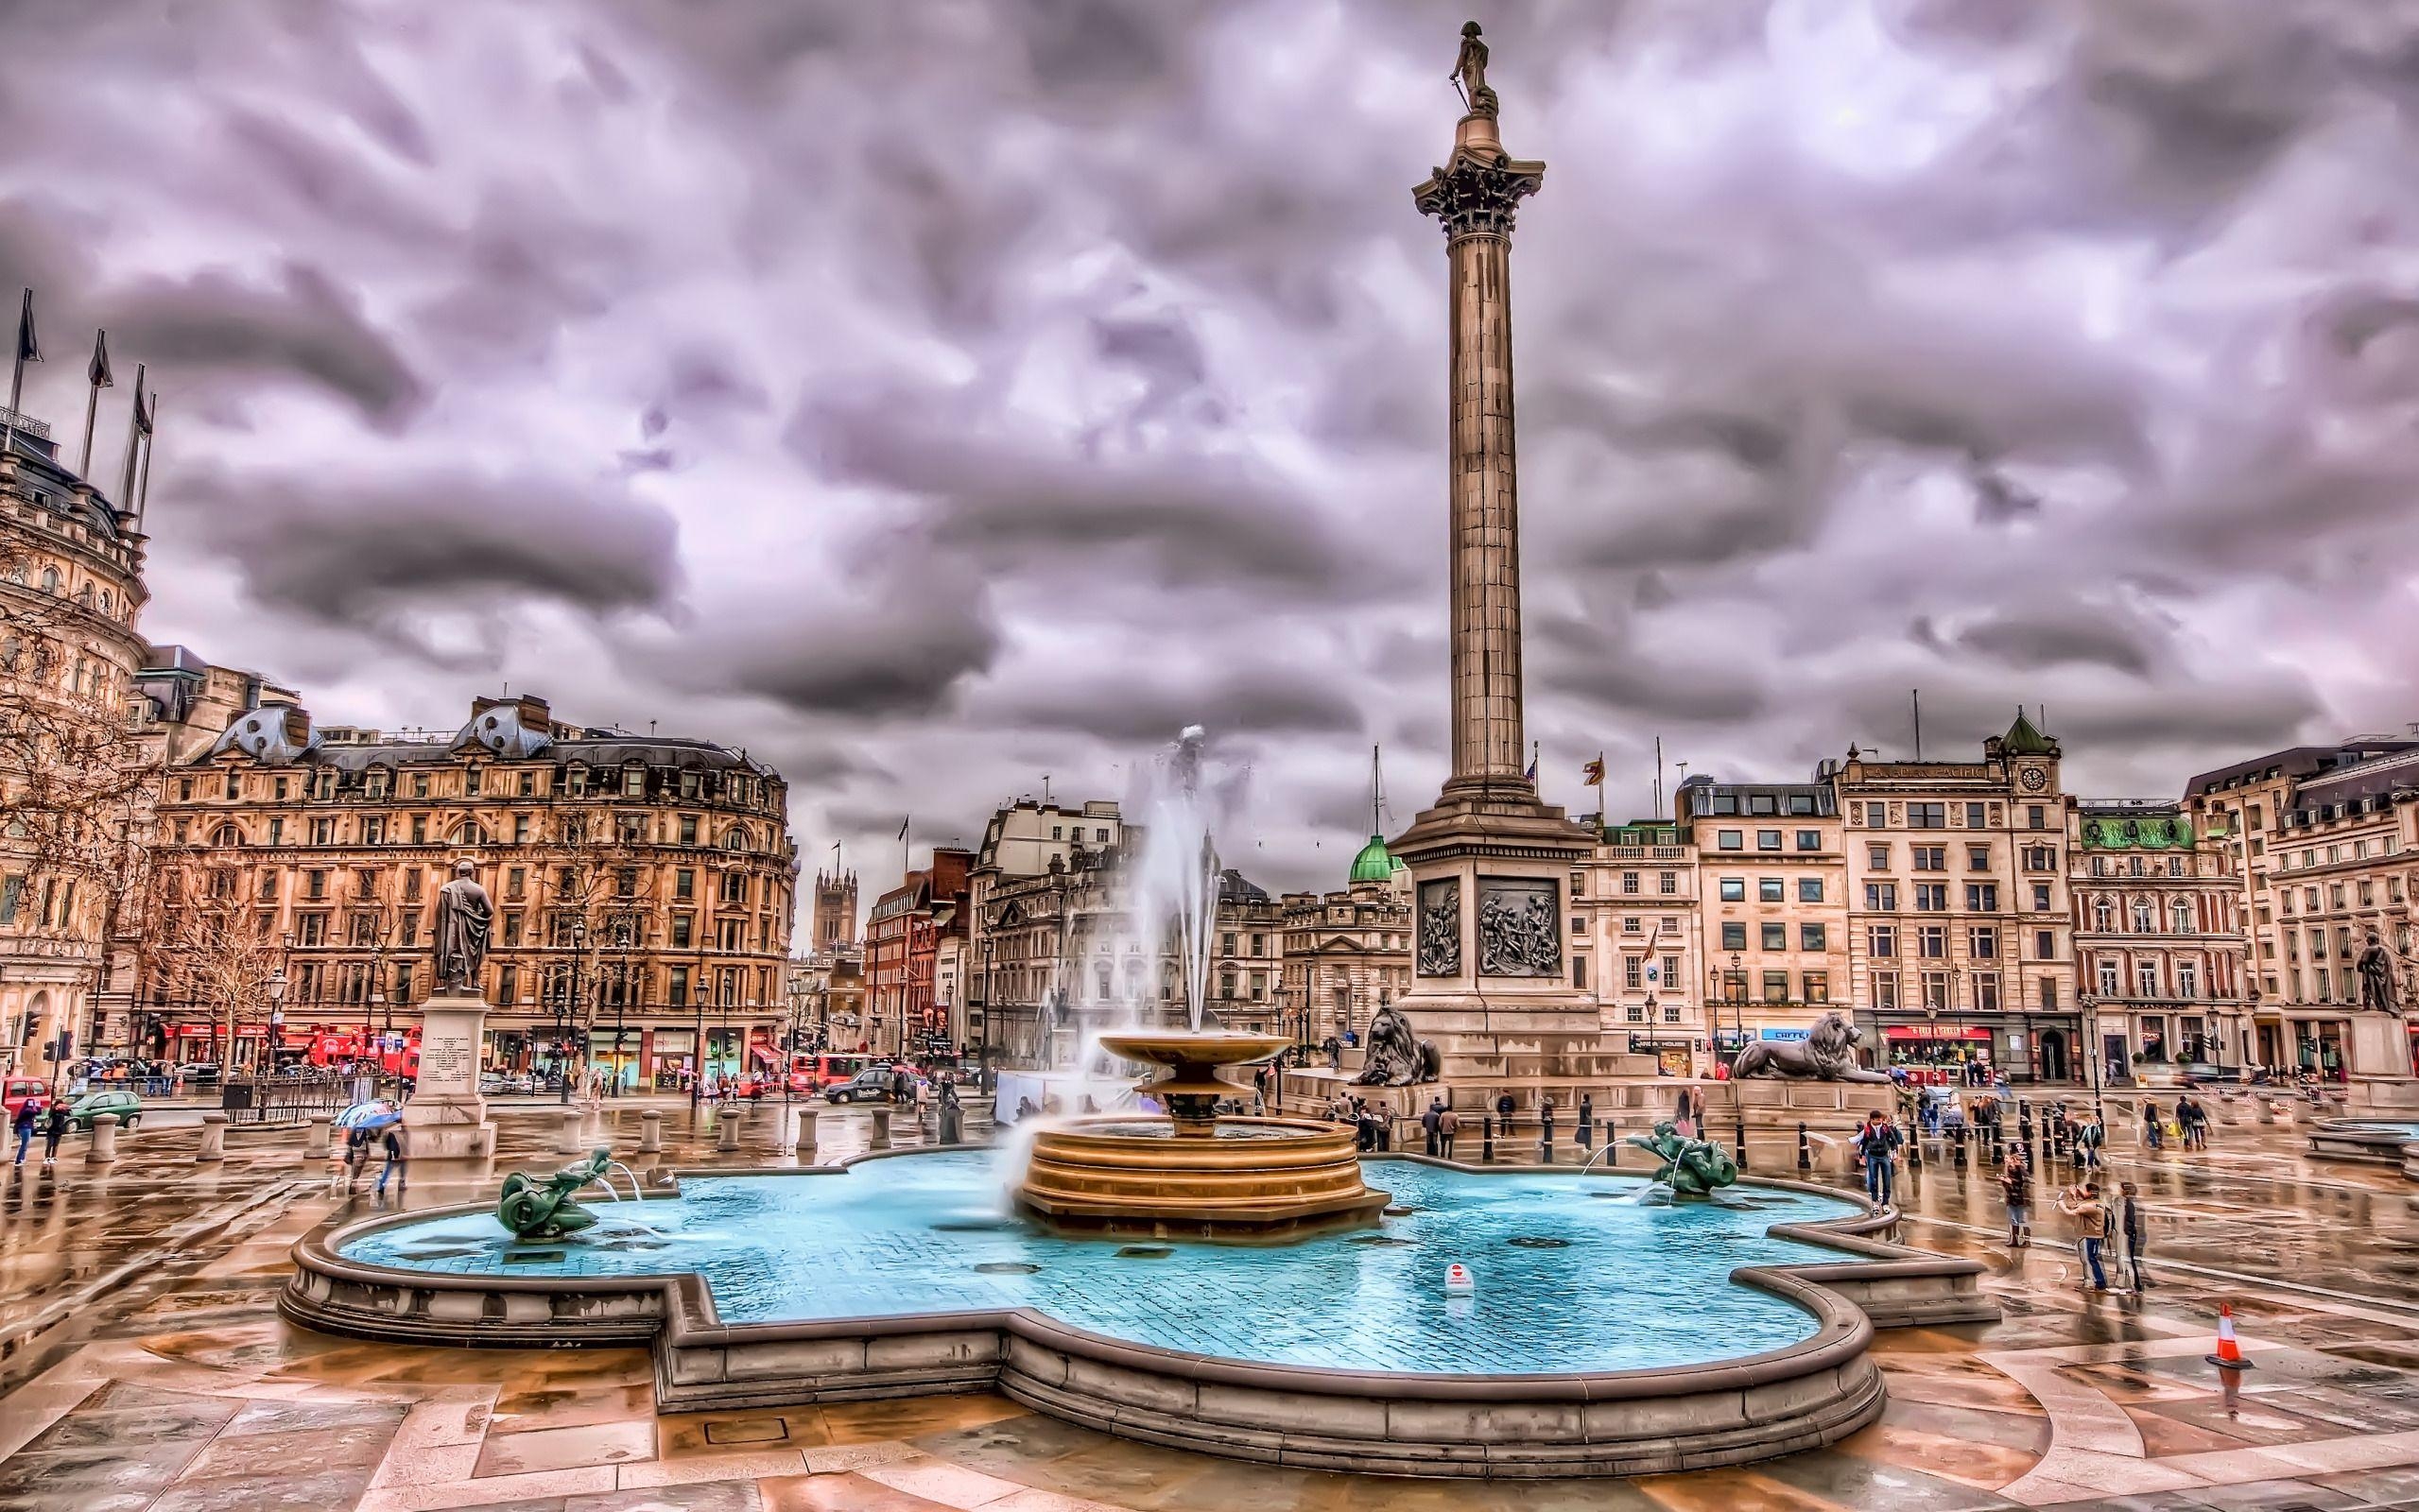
374,1114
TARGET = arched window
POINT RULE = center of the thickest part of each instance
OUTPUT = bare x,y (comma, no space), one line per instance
227,835
85,596
469,832
2180,914
734,839
2145,918
105,600
50,579
2103,916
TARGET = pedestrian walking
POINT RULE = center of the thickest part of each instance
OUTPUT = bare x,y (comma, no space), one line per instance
28,1113
2089,1134
1432,1123
2132,1226
2153,1133
1878,1146
356,1155
2016,1188
2194,1120
394,1167
1449,1123
54,1128
2090,1216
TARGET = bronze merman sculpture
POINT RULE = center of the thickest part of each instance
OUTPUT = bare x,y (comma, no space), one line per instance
541,1207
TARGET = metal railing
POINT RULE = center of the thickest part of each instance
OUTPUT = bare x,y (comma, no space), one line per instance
284,1099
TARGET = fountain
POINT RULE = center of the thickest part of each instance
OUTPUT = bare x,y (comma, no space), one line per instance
1195,1174
1191,1173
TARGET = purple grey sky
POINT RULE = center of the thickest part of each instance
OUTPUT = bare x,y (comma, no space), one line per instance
929,395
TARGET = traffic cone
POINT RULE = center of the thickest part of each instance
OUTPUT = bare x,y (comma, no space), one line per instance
2229,1355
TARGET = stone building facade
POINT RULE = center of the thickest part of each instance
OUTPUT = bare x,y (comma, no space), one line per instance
1958,924
2325,841
833,921
1636,946
1772,869
1346,954
71,592
644,892
906,1014
2159,944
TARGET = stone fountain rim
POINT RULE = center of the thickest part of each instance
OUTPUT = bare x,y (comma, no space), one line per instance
688,1318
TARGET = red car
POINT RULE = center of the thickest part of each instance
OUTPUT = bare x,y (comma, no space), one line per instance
18,1090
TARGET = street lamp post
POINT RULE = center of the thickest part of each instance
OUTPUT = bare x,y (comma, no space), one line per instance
982,1055
276,1019
565,1009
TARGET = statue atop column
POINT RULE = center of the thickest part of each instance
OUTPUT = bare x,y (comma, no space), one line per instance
464,912
1469,71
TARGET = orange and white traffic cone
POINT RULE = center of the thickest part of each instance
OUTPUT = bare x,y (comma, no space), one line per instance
2229,1355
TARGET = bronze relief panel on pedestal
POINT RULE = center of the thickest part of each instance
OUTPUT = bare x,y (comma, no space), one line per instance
1520,927
1441,927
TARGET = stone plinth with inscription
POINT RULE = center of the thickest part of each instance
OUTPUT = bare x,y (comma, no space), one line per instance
446,1118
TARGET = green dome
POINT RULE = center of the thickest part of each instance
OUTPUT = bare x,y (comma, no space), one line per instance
1374,864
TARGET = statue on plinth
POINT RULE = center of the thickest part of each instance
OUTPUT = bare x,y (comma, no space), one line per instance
2376,971
1829,1052
1469,71
1396,1056
1691,1168
541,1207
464,912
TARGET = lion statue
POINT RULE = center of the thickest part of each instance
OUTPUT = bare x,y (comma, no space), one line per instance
1396,1056
1829,1052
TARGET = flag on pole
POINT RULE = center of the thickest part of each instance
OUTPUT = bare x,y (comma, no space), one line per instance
99,370
28,345
1594,771
1530,776
143,410
903,828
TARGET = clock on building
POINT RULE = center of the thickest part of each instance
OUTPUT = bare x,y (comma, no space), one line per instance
2033,778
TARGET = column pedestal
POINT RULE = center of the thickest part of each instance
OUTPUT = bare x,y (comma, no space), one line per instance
446,1118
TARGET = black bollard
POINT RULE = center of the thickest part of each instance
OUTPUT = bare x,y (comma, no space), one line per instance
1957,1139
1738,1137
1544,1144
1804,1149
1916,1145
1486,1138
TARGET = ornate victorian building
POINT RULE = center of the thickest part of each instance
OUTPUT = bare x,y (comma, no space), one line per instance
2158,936
1346,954
2325,846
1958,915
644,891
71,798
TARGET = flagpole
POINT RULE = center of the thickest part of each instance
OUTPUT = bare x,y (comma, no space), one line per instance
133,439
98,375
143,490
27,351
1602,781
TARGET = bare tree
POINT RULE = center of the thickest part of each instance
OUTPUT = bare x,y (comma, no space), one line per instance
218,948
599,886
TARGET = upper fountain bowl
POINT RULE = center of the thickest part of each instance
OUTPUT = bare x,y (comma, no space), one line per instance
1193,1061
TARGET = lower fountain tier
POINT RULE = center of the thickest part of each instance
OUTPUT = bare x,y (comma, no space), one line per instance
1254,1178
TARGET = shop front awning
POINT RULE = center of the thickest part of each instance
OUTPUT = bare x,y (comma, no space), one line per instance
1934,1031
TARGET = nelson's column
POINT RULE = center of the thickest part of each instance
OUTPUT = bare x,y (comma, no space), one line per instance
1489,864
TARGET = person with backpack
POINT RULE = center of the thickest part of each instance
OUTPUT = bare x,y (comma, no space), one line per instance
1877,1145
2015,1189
54,1128
2090,1214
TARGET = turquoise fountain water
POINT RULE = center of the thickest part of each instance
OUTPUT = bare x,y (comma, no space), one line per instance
1573,1273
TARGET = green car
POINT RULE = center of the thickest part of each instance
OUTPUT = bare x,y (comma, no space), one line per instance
82,1112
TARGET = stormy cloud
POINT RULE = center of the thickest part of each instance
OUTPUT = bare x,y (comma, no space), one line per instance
938,395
